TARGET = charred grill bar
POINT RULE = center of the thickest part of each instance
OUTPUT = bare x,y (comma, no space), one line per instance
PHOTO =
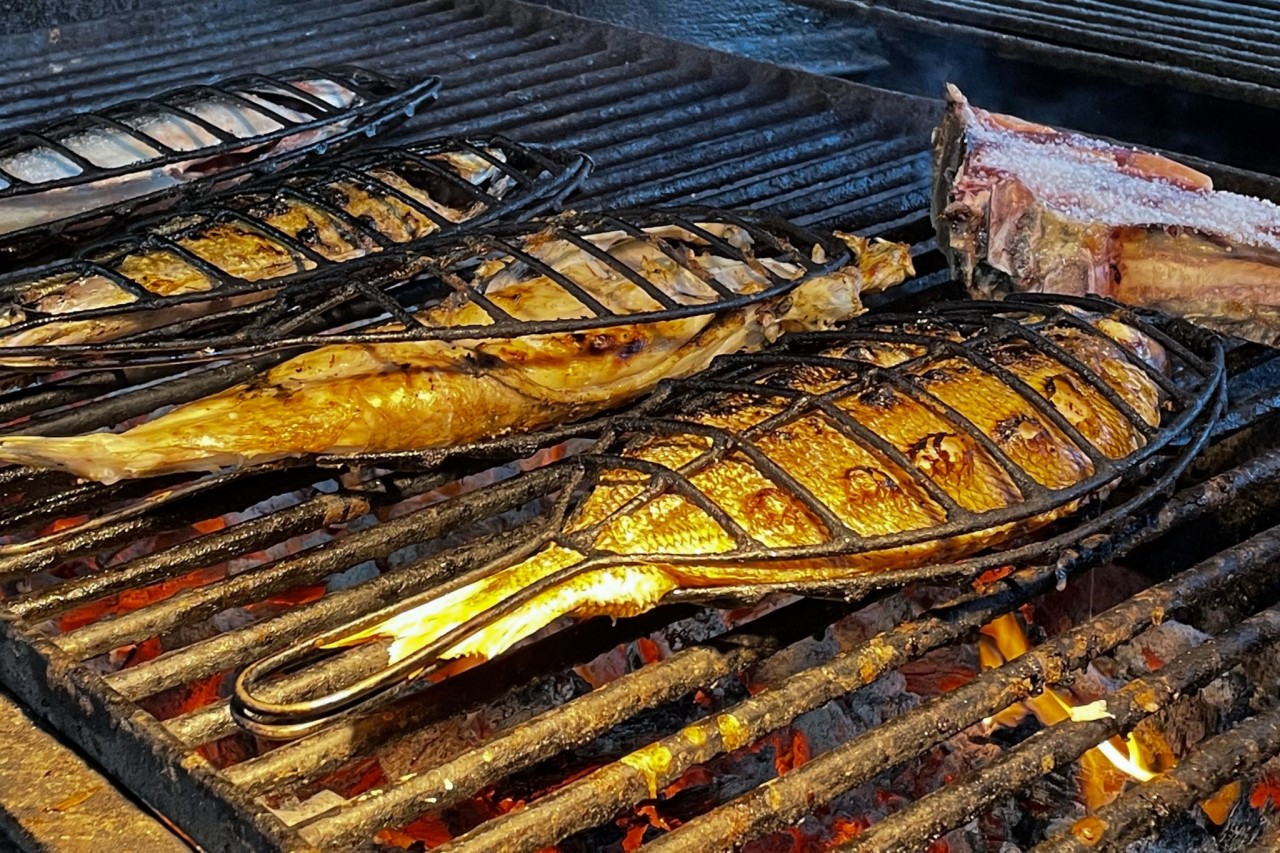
663,123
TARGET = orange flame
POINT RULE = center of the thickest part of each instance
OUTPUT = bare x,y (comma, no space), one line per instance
1005,640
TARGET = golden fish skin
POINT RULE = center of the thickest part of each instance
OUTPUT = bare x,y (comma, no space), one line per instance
865,489
259,243
404,396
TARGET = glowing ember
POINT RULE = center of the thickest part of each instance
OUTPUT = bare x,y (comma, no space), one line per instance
1266,789
134,599
1217,807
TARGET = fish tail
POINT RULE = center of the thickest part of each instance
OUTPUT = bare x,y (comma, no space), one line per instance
581,590
105,457
73,453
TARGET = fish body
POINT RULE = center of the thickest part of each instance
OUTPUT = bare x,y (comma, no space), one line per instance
60,175
1024,207
657,543
307,219
348,398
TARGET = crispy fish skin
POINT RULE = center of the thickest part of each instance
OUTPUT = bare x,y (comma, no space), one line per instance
863,489
1026,207
240,248
404,396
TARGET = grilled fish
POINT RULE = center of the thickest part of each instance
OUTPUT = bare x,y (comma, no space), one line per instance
38,176
402,396
393,195
859,484
1024,207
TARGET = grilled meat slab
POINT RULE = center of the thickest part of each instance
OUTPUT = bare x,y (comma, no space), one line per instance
855,480
424,394
1024,207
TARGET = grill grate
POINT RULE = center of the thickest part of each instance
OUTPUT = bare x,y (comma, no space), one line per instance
310,125
1224,49
817,150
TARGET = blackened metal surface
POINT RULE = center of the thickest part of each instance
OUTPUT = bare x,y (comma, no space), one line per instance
1225,48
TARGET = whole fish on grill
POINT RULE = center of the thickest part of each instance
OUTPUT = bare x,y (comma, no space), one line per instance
1024,207
335,212
654,543
142,148
351,398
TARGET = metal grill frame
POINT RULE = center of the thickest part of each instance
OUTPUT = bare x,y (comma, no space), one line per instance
1197,399
443,264
542,178
385,103
1144,49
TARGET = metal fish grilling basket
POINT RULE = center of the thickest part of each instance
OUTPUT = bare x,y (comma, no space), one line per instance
1193,390
67,182
354,303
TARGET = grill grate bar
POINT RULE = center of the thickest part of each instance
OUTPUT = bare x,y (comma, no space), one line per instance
920,823
790,797
270,578
92,88
1206,46
209,550
123,62
574,723
1214,763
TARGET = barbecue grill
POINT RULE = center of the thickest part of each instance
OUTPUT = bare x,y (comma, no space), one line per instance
129,608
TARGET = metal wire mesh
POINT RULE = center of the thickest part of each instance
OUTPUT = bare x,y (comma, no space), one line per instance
1196,396
353,303
310,123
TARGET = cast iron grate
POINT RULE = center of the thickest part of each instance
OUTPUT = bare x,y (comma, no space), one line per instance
1224,49
306,124
664,123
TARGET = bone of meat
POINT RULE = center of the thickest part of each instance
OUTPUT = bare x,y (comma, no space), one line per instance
403,396
1024,207
865,491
